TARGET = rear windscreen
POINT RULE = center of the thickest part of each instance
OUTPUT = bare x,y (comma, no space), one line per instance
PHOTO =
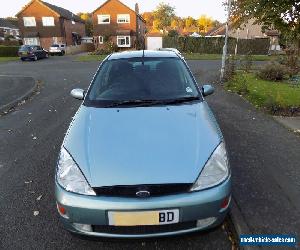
24,48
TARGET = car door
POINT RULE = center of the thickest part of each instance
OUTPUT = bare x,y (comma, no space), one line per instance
35,51
39,51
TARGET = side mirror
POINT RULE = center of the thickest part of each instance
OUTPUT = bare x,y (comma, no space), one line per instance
77,94
207,90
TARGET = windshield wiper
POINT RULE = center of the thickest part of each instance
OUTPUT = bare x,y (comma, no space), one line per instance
182,100
137,103
129,103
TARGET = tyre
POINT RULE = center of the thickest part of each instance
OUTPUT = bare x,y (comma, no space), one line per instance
35,58
22,59
46,55
62,53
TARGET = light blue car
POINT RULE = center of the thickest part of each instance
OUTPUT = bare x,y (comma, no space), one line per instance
144,155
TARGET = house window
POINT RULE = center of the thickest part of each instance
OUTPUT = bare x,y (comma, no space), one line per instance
103,19
100,39
48,21
29,21
123,18
123,41
32,41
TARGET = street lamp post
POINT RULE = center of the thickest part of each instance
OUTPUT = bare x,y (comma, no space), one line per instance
225,47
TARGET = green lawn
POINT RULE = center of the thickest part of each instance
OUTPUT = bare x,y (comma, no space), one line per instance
90,58
265,94
198,56
8,59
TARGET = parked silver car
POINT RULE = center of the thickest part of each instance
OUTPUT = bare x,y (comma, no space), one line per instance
57,49
144,155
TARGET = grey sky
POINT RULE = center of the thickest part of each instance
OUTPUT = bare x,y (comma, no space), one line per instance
184,8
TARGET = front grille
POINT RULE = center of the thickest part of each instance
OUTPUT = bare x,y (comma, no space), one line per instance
155,190
139,230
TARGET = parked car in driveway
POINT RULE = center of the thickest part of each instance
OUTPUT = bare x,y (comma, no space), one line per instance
144,155
57,49
32,52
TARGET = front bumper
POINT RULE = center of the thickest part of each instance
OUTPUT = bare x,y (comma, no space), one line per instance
199,206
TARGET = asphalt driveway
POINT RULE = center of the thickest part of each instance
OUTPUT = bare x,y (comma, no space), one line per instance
30,140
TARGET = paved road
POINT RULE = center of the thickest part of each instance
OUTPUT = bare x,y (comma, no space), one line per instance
30,140
13,88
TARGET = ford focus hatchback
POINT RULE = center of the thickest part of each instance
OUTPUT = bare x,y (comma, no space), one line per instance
144,155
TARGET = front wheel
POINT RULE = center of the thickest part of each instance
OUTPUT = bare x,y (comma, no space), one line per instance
35,58
46,55
62,53
22,59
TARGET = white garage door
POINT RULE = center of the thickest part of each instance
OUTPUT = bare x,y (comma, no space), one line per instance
154,43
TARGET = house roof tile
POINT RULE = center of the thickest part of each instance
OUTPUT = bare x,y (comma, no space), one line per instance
63,12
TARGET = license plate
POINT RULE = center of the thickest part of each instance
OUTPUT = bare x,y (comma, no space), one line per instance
143,218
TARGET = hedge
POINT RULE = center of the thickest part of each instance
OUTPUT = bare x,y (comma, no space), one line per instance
214,45
9,51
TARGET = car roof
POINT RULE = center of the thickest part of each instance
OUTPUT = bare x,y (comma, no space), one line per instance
142,53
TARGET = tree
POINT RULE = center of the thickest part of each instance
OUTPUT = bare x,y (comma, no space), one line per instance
173,33
205,23
283,15
164,13
87,17
189,22
174,23
156,25
149,18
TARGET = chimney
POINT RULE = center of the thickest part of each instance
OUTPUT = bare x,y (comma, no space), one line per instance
137,8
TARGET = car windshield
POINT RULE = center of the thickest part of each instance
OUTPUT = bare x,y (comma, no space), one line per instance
142,79
55,46
24,48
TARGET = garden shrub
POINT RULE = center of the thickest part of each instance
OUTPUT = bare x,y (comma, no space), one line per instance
239,84
242,86
272,72
214,45
9,51
246,63
271,104
292,62
230,68
109,47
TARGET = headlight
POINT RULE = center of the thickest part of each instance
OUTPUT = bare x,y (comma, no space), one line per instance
215,171
70,177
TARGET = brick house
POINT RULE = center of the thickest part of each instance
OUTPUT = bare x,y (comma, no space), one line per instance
114,21
43,24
